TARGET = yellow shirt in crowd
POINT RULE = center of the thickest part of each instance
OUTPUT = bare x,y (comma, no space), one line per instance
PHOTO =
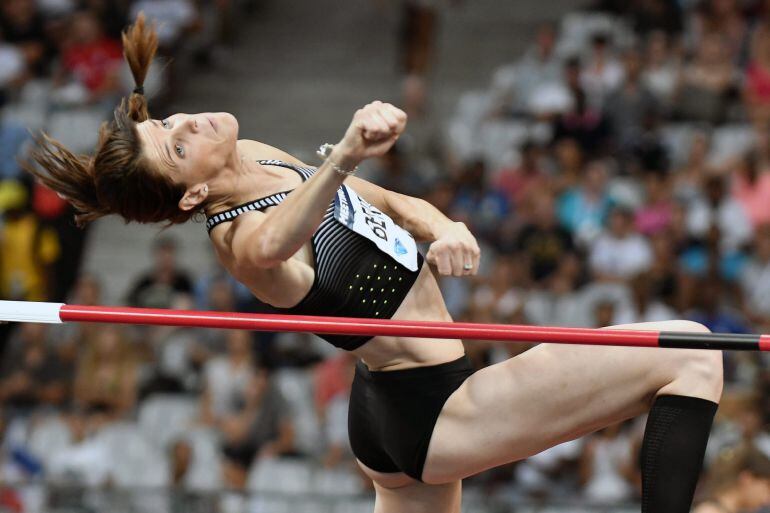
26,249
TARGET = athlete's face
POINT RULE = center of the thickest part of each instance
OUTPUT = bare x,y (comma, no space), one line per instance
191,148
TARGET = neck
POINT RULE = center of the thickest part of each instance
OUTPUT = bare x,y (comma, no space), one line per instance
241,181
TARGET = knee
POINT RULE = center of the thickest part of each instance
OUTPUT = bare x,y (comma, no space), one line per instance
699,369
700,372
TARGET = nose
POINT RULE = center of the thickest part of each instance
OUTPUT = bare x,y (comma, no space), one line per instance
193,124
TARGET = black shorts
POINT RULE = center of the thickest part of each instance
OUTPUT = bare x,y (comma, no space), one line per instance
392,413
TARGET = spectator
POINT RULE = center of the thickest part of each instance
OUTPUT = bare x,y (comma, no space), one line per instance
226,378
756,91
645,304
711,308
332,380
21,24
719,210
13,140
738,481
627,106
568,164
689,180
481,208
91,61
32,376
706,83
755,281
260,428
157,288
558,302
655,214
28,250
106,376
607,466
723,17
661,69
521,182
584,208
751,187
583,121
543,244
620,252
13,68
516,87
602,72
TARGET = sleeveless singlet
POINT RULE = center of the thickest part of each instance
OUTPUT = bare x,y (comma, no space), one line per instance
365,264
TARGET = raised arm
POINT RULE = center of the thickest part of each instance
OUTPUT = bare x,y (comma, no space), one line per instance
289,225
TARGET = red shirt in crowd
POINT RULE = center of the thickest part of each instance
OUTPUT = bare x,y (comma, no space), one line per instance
92,63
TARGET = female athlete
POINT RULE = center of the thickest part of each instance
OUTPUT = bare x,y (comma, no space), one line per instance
322,242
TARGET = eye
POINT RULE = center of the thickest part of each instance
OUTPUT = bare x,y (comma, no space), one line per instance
179,150
165,123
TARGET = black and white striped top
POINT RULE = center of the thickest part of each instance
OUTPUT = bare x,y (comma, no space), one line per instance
353,278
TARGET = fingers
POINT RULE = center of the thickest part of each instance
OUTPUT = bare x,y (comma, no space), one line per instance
381,121
441,259
454,258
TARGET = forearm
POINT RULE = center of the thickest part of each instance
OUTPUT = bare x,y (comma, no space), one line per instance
291,224
424,221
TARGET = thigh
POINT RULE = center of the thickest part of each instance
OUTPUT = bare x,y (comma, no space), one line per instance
545,396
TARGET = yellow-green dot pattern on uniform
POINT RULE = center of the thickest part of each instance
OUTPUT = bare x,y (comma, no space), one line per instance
360,288
392,290
374,300
350,287
400,279
385,302
378,277
363,300
358,275
376,313
368,276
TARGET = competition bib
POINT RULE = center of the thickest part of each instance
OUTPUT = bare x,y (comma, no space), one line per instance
361,217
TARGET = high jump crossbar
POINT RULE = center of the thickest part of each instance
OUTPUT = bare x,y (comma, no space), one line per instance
40,312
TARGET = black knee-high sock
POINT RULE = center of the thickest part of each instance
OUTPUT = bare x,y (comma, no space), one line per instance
672,452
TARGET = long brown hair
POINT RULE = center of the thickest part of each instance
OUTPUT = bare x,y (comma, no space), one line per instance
118,178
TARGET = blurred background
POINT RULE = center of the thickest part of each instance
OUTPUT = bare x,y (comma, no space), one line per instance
612,157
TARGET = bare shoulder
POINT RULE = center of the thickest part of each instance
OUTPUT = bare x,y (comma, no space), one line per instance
262,151
230,239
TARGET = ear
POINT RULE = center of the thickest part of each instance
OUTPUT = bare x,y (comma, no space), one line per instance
194,196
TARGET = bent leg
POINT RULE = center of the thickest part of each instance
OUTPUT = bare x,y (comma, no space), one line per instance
552,394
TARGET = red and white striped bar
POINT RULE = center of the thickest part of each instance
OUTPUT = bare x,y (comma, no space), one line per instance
21,311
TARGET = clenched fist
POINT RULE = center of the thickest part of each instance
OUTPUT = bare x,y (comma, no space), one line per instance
373,131
455,252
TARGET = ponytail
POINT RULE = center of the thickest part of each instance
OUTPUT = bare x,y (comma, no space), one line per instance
118,179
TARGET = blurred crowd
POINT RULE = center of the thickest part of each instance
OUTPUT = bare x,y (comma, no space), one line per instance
617,171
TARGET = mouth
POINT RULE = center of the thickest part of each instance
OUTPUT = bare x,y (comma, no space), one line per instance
212,124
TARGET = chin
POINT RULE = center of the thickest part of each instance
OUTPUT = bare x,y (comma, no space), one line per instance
229,121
